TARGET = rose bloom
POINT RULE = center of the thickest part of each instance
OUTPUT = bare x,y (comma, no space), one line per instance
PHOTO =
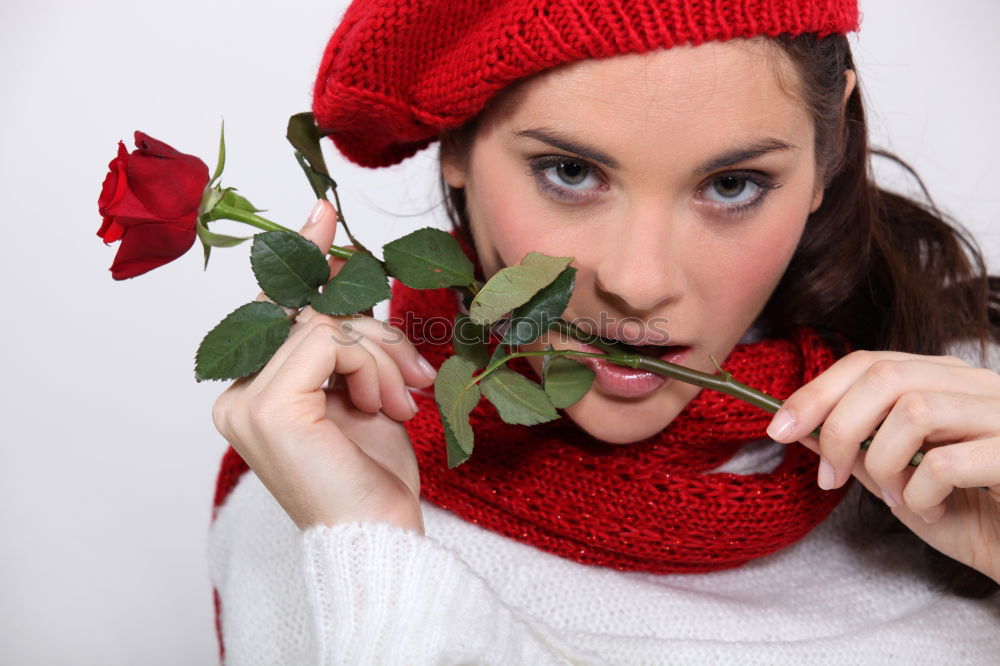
150,201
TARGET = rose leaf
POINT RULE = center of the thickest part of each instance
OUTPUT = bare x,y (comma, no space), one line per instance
514,285
532,319
566,381
242,343
428,258
288,267
517,399
360,284
470,340
455,403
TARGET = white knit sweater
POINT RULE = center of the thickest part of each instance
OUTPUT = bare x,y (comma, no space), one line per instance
375,594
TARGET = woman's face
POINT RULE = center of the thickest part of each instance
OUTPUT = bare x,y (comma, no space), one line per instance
679,181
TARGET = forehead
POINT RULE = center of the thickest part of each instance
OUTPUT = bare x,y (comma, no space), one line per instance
725,90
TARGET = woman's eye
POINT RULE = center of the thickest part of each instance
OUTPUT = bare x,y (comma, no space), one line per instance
731,189
570,173
567,178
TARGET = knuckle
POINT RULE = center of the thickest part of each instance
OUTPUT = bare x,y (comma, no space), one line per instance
939,462
221,414
861,357
885,374
832,434
915,408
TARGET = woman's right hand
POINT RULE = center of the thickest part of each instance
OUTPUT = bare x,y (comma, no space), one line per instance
337,451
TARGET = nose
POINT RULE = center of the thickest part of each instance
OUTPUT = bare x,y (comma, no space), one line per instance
641,267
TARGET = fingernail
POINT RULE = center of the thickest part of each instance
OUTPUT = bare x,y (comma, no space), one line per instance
826,477
426,366
930,520
317,212
889,498
781,425
413,403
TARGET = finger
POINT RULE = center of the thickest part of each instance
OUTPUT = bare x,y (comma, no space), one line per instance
813,401
925,417
396,400
867,402
416,370
321,227
300,328
317,356
851,399
966,465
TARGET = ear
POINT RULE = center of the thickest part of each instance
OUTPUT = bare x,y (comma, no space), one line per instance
849,85
452,168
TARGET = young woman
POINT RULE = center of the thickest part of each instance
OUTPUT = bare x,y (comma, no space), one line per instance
706,165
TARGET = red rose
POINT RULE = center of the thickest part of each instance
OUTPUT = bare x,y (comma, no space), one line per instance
150,201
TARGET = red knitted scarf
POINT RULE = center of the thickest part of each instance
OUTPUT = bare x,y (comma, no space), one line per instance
651,506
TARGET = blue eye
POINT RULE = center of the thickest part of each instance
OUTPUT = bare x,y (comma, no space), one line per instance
573,174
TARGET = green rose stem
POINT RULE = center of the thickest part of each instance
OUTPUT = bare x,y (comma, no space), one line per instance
223,211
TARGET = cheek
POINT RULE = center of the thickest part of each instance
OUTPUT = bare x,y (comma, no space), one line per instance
505,227
745,279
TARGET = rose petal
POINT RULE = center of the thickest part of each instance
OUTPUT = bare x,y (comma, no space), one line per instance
169,183
150,245
110,231
115,182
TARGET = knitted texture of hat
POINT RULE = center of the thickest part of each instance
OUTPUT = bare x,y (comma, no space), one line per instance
398,72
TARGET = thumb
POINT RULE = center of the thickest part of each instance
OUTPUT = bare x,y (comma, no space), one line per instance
321,226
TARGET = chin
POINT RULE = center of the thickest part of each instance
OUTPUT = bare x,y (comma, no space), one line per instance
612,430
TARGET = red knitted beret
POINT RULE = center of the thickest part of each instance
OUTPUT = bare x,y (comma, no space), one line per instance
398,72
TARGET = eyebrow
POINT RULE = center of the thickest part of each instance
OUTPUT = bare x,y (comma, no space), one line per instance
745,153
557,141
730,158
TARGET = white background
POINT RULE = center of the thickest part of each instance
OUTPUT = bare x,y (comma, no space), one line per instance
108,455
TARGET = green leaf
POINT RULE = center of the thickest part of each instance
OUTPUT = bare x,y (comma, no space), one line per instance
515,285
211,239
499,352
242,342
428,258
220,163
518,399
304,137
530,320
456,399
470,340
360,284
288,267
566,381
235,200
456,454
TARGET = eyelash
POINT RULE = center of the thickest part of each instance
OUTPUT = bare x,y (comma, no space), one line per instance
539,165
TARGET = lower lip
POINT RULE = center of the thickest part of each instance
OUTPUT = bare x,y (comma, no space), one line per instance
625,382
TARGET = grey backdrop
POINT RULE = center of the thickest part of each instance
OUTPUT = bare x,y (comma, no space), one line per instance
108,453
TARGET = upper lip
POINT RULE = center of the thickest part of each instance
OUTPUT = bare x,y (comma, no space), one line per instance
658,340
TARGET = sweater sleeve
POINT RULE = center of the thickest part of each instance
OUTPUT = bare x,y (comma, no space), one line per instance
360,593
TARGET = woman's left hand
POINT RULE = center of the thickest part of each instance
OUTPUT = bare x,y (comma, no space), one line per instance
936,404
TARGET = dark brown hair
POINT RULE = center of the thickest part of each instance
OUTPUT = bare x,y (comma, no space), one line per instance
882,270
